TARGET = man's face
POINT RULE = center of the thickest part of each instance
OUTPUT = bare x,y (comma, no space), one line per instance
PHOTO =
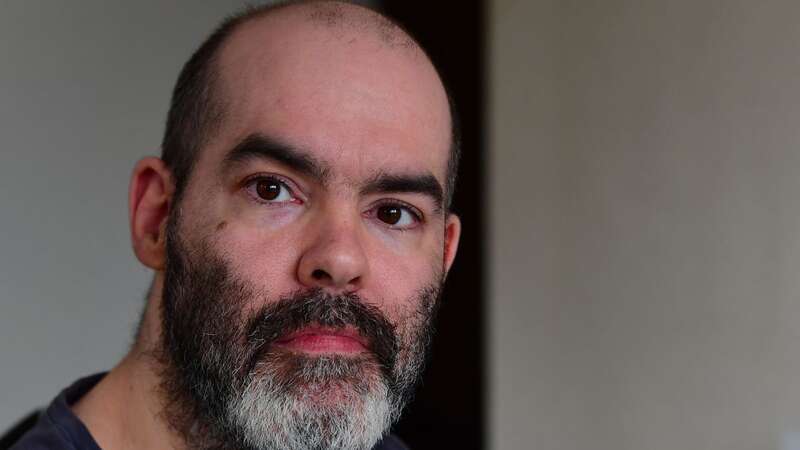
308,250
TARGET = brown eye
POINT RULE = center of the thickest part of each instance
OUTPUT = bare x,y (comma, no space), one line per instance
268,189
390,214
398,217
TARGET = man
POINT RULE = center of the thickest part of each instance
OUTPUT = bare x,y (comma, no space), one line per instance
299,230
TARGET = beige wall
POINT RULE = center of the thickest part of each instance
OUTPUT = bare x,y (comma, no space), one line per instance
645,240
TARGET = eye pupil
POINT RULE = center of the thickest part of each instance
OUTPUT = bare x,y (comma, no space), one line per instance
268,189
389,214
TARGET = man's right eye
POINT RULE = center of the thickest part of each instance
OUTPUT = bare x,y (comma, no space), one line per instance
267,189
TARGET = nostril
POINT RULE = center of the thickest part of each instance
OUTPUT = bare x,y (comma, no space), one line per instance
320,274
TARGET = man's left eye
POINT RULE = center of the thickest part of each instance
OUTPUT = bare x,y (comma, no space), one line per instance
397,216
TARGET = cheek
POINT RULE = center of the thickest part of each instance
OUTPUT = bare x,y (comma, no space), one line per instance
397,277
261,257
260,244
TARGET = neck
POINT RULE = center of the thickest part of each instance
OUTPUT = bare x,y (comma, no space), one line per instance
126,408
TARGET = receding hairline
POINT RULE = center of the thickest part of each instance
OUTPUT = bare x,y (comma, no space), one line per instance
338,14
345,18
342,19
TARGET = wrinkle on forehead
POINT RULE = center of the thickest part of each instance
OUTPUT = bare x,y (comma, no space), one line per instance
341,78
297,29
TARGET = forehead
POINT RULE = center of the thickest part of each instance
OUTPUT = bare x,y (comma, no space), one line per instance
348,94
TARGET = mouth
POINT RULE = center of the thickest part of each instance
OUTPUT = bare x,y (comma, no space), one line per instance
317,340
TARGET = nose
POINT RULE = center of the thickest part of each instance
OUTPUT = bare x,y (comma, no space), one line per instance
334,259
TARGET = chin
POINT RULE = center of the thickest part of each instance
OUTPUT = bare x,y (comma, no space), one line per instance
331,402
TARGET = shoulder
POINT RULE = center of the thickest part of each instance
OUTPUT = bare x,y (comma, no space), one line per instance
13,435
41,434
57,427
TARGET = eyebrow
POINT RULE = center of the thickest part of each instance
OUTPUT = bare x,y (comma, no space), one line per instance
424,183
259,146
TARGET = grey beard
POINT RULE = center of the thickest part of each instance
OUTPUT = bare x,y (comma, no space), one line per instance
226,388
326,409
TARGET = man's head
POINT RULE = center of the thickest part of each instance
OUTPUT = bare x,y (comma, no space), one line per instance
299,225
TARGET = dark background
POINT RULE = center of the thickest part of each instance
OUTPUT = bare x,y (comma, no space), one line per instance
448,410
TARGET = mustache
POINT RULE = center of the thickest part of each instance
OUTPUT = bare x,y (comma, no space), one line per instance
317,307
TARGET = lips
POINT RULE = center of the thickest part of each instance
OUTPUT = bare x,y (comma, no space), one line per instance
320,340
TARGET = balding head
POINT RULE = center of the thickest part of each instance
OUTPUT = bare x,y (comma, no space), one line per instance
200,107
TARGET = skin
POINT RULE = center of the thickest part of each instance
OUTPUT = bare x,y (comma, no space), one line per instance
359,101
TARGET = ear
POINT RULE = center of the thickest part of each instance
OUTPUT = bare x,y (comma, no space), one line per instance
149,201
452,233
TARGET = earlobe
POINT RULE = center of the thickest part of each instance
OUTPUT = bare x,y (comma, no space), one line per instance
149,200
452,234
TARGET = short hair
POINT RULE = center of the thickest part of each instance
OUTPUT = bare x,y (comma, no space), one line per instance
195,112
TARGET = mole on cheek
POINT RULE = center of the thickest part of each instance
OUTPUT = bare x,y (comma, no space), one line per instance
221,225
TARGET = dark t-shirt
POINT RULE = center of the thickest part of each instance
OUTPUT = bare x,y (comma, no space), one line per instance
59,428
